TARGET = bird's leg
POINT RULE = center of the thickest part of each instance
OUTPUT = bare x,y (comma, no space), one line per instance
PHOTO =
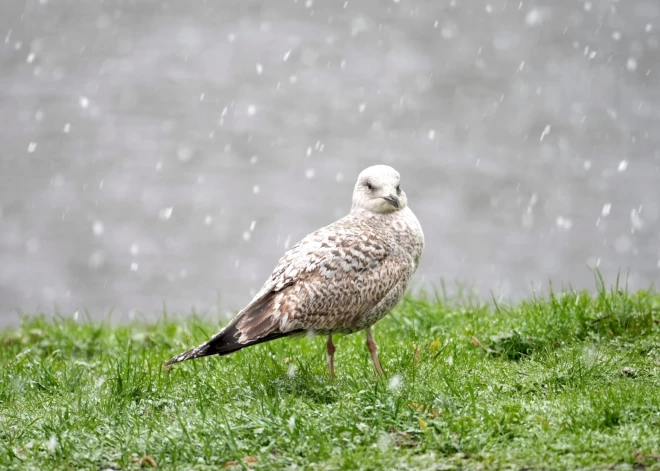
331,356
371,345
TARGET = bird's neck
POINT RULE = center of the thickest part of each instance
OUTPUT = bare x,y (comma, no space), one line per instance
367,214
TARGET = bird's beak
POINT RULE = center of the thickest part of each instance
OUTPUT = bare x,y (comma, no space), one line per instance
393,200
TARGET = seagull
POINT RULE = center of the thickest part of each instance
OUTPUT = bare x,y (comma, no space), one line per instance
340,279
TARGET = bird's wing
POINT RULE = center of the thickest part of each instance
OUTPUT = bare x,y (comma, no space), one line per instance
325,282
328,281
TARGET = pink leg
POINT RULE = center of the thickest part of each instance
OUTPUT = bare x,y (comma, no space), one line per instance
371,345
331,356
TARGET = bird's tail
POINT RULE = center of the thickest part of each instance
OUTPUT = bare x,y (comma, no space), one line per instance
223,343
197,352
255,324
226,342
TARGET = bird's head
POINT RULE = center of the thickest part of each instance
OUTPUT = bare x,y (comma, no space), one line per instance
378,190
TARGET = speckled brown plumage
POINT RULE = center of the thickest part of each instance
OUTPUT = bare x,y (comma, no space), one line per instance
341,278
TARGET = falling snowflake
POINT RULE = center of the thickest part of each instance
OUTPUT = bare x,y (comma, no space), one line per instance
545,132
534,17
564,223
165,213
636,220
184,153
623,165
52,443
606,209
395,383
98,228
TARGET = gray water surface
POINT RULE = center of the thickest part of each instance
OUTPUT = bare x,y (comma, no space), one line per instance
168,152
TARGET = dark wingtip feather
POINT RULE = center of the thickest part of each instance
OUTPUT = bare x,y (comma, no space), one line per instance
220,345
255,322
223,343
198,352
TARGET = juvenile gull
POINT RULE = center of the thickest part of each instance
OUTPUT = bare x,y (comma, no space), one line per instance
341,279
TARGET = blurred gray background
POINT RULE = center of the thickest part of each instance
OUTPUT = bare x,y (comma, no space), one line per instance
168,152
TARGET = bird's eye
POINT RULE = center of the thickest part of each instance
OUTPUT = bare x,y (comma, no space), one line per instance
370,186
398,189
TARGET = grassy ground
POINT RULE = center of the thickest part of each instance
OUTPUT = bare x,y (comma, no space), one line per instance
565,382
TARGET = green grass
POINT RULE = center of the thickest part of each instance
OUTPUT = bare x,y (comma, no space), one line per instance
570,381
